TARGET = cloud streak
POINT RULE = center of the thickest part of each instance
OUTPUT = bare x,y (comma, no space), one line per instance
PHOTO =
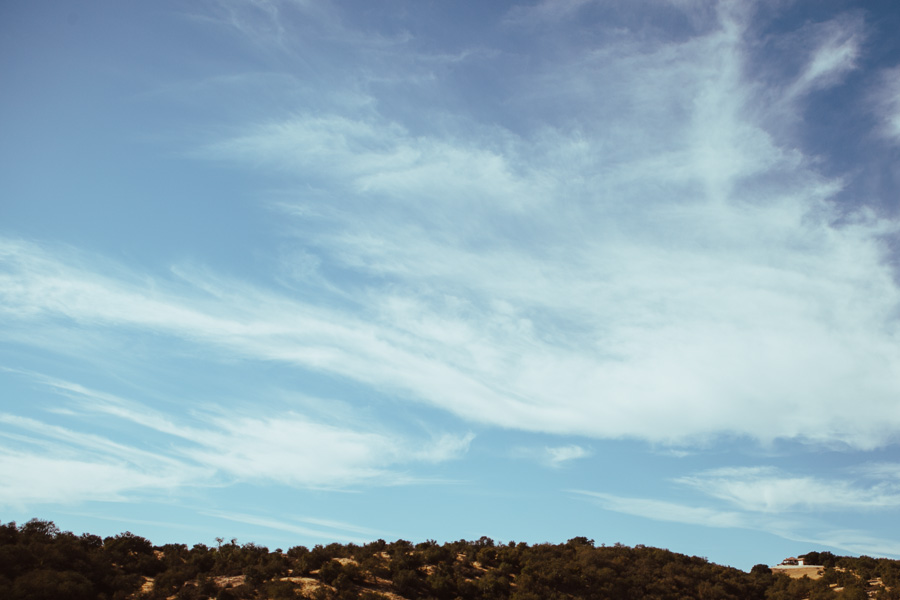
639,327
767,490
836,52
675,273
661,510
797,527
327,530
886,99
792,506
672,274
55,462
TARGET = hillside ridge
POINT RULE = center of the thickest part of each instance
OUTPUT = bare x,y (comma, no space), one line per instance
39,561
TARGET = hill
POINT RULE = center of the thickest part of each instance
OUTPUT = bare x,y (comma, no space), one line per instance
38,561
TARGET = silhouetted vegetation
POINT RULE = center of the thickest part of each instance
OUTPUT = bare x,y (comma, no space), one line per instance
38,561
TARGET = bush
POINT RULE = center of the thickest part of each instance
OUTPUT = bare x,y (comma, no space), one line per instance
280,590
330,571
53,585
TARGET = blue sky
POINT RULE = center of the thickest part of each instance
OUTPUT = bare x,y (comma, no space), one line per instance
297,272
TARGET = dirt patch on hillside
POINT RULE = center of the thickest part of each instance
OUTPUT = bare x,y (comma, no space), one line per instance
224,581
307,585
147,585
812,571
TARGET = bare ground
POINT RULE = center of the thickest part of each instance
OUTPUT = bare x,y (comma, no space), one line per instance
811,571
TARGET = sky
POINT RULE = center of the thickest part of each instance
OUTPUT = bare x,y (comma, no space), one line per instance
300,272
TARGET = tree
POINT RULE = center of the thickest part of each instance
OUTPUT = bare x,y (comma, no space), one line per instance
406,582
281,590
329,571
38,529
133,553
45,584
853,592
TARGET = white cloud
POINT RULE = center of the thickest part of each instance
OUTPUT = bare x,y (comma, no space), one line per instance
798,528
53,464
559,455
660,510
381,158
293,450
836,50
886,99
767,490
58,464
328,530
743,290
552,456
701,297
882,471
42,463
30,479
856,542
54,436
671,273
544,12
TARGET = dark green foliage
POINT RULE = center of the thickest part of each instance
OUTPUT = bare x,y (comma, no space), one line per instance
443,582
254,576
280,590
133,554
171,580
373,567
434,554
45,584
226,594
202,558
826,559
494,586
407,583
853,592
312,560
329,571
39,561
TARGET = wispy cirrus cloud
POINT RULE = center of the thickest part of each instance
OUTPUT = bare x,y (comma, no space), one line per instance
885,471
32,479
559,455
616,275
553,456
323,529
296,451
661,510
228,447
511,361
544,13
836,48
54,464
855,541
556,262
769,490
797,507
886,99
797,527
